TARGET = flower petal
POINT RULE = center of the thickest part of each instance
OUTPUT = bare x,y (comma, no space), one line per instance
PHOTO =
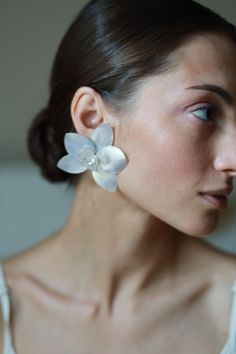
112,159
75,143
102,136
71,165
105,180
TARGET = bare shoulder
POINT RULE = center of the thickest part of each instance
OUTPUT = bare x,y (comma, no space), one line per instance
220,297
32,259
208,264
29,266
203,257
222,266
207,267
223,270
224,279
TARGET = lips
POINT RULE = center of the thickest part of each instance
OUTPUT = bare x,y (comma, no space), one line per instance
224,192
216,201
217,197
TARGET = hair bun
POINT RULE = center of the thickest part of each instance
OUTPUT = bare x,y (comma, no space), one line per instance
43,148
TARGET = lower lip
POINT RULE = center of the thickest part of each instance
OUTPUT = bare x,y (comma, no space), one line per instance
218,202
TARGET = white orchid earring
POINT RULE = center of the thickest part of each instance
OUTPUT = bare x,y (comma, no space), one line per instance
96,154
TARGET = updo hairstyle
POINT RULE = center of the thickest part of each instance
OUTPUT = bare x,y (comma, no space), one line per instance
111,46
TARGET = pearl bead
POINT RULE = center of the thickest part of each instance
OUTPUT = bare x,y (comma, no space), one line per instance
92,163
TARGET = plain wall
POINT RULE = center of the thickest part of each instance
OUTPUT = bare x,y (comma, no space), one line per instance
30,208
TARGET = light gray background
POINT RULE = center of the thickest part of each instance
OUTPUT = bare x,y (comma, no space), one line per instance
31,208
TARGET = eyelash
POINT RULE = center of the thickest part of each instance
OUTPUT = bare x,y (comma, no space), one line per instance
210,107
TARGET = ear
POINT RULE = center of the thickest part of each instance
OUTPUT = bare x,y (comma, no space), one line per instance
87,110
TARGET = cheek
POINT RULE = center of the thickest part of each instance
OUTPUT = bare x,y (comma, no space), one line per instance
166,166
164,176
168,158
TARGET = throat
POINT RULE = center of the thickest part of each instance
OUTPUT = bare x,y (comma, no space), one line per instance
113,249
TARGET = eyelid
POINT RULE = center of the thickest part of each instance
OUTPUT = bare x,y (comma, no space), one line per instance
213,107
204,105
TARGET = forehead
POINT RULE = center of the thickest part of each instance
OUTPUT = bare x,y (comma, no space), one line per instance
208,57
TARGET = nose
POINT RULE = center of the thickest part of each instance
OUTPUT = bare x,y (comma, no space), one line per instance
226,154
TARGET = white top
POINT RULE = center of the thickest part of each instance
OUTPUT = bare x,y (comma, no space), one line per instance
229,348
5,303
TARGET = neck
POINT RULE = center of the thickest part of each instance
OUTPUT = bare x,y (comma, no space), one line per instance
118,249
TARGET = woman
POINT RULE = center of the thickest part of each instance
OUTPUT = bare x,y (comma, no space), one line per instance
141,122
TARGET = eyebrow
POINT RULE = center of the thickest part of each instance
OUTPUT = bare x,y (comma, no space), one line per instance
216,89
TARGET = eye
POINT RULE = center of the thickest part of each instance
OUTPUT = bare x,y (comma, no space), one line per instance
205,113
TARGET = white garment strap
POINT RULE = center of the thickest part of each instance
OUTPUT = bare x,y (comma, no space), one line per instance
4,296
230,347
5,304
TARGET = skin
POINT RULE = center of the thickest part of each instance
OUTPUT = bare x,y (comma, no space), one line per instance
130,271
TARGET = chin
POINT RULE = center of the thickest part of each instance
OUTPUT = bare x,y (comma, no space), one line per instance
196,225
202,230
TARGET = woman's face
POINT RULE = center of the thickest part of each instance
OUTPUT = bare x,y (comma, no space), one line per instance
181,141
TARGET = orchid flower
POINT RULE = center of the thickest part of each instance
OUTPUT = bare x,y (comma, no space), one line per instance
96,154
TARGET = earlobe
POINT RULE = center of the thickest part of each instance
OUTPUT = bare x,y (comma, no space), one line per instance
85,111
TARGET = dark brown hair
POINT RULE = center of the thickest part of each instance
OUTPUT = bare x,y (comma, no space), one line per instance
110,46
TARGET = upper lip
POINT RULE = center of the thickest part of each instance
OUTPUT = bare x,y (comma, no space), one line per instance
224,192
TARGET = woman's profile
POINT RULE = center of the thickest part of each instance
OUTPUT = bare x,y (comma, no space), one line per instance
141,122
